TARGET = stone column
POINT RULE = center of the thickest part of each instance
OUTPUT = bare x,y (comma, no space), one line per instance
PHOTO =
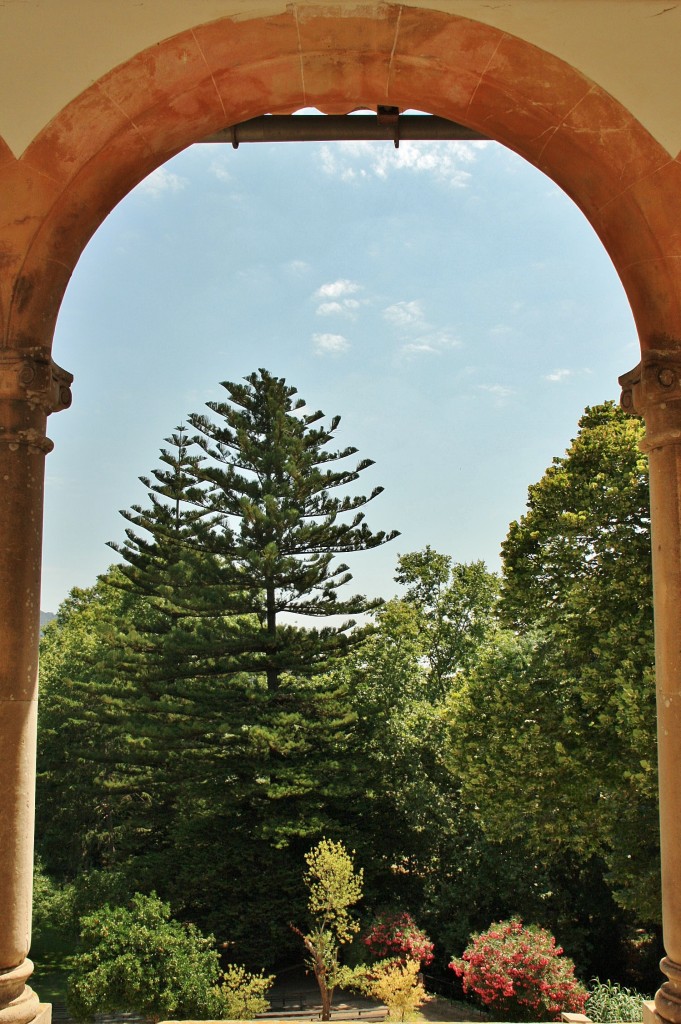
31,387
653,390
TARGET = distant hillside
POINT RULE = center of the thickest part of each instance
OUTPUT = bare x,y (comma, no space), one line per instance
46,617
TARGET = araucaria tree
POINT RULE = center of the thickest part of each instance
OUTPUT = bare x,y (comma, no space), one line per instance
244,511
230,734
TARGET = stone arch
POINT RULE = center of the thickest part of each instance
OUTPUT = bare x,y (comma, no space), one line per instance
337,57
163,99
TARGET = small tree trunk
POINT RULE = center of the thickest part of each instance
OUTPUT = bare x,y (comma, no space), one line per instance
320,973
325,992
326,1001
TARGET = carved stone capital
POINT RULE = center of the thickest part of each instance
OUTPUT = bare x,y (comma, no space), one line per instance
668,997
32,376
31,387
653,390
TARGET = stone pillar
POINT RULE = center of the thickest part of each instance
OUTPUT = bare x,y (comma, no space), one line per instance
653,390
31,387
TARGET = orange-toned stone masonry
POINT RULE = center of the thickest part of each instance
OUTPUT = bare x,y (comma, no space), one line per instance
337,57
140,113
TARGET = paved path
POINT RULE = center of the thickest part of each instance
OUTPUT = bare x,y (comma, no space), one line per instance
296,997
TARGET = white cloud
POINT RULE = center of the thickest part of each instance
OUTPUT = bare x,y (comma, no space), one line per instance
346,307
328,308
405,315
219,171
338,168
420,337
336,289
332,344
161,180
445,161
444,339
559,375
337,292
418,348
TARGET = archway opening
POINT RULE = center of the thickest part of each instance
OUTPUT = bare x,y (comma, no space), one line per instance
446,274
552,134
424,340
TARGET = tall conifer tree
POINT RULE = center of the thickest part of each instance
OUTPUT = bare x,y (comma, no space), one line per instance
242,523
211,680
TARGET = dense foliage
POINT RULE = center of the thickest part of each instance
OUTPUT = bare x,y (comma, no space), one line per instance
136,958
486,746
566,690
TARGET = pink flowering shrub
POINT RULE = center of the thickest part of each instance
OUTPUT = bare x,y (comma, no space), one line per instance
519,973
398,937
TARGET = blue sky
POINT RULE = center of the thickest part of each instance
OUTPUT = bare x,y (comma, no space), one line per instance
447,299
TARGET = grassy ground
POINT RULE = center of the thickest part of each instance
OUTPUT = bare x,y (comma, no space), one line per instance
51,954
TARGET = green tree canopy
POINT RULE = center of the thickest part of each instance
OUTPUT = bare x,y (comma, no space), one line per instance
455,602
556,723
405,820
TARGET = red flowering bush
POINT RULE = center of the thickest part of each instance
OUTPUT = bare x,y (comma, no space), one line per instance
398,937
519,973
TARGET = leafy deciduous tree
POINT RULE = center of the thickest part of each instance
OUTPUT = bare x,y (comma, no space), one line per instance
555,724
455,602
334,886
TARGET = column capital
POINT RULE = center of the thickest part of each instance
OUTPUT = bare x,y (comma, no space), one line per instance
653,390
31,375
32,386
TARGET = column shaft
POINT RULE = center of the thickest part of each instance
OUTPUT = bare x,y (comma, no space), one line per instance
30,387
654,390
665,501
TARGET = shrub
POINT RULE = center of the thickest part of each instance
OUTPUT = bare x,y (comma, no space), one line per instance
243,994
608,1001
399,986
395,982
519,973
397,936
52,903
138,959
